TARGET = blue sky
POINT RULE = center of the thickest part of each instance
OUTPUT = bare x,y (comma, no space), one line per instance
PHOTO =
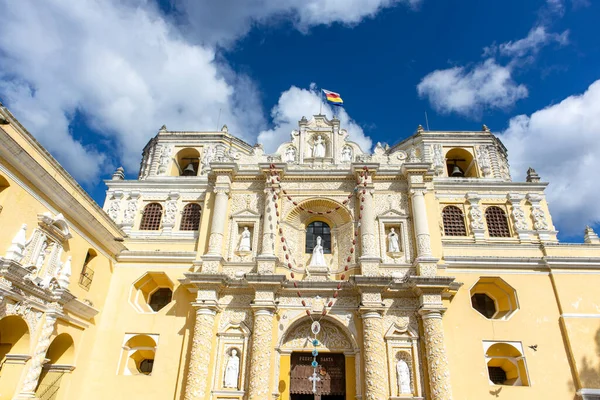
93,81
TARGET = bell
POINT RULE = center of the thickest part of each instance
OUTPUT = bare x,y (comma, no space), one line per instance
189,170
456,171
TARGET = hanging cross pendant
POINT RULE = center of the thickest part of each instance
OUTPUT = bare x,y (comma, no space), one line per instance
314,379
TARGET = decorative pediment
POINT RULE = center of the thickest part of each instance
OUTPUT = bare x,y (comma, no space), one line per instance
245,213
397,331
235,330
392,214
56,226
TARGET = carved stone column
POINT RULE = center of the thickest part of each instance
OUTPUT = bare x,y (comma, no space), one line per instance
476,217
518,216
374,356
540,221
269,222
198,374
37,360
262,347
437,361
370,259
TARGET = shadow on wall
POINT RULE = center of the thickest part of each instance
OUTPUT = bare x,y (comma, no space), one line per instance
589,369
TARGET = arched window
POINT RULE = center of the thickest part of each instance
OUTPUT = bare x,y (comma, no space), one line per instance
496,222
454,221
3,186
187,162
137,357
314,230
506,364
459,163
190,218
87,272
151,217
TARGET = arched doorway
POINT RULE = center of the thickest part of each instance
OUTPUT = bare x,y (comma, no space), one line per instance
61,355
338,353
14,352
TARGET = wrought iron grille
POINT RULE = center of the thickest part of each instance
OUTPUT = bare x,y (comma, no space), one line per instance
151,217
454,221
86,277
190,218
49,390
496,222
160,298
497,375
484,304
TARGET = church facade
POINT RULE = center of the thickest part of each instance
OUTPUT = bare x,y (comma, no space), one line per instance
321,271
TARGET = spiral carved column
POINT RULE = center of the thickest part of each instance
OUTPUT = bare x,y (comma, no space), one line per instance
198,374
260,362
437,361
374,357
37,360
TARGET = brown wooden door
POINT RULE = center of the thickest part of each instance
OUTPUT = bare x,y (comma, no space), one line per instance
331,370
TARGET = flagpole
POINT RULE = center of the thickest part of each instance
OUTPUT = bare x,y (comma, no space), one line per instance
321,103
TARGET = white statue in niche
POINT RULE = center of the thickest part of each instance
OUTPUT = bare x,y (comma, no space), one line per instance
290,154
246,240
232,371
393,241
318,150
318,259
346,154
403,377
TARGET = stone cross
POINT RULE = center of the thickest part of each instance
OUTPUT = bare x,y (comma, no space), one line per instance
314,379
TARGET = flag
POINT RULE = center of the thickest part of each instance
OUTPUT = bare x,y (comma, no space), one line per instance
333,98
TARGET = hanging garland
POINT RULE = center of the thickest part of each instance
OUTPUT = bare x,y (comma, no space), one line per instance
289,260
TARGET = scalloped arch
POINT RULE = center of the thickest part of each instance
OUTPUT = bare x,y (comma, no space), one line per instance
338,216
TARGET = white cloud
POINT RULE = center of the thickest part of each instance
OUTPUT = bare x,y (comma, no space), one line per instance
127,69
122,67
295,103
536,39
561,143
469,91
224,21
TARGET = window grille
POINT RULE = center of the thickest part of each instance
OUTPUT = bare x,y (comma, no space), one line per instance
87,273
497,375
190,218
151,217
315,229
484,304
160,298
454,221
496,222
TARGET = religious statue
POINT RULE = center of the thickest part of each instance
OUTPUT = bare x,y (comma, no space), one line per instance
290,154
346,154
232,371
393,242
403,377
245,242
318,150
318,259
